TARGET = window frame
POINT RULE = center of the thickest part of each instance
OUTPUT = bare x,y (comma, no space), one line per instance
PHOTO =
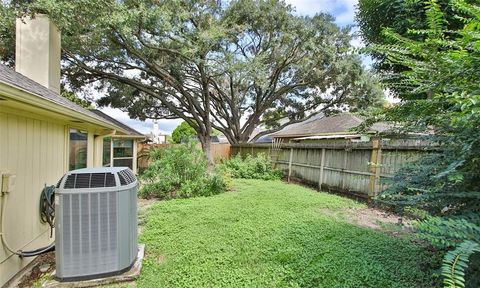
112,158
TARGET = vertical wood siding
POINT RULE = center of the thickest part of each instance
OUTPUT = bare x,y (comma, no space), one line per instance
34,151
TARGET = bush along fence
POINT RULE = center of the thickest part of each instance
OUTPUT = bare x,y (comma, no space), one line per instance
219,152
360,169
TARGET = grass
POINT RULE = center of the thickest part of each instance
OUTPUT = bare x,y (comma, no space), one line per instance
271,234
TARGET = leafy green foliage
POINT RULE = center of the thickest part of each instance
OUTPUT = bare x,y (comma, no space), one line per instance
183,133
226,65
402,17
180,171
449,231
455,263
442,63
77,100
7,28
251,167
272,234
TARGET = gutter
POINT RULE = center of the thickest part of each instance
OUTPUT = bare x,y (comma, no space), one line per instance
129,136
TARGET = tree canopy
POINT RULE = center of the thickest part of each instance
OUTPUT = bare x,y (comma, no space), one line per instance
401,17
183,133
77,100
231,65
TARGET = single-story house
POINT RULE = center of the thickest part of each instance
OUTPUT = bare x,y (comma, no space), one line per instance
42,136
332,128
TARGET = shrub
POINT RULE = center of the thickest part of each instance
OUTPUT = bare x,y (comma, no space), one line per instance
250,167
180,171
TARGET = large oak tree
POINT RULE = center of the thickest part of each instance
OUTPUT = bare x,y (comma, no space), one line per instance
228,66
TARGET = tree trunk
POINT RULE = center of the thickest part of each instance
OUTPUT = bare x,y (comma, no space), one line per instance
206,143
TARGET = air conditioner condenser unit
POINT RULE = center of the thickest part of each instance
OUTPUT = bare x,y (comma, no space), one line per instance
96,223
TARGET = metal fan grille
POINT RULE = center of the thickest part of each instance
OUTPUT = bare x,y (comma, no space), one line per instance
89,180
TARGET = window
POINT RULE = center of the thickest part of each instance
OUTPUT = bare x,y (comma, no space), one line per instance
123,163
78,149
122,148
123,153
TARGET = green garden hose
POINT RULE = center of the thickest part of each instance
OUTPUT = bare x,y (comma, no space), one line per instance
47,207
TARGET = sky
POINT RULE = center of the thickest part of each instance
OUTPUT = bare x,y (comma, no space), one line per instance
342,10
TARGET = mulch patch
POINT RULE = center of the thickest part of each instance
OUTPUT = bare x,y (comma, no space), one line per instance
34,275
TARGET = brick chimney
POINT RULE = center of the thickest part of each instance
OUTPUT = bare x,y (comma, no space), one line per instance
38,51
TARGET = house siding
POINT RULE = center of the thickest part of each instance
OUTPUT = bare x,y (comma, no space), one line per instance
35,151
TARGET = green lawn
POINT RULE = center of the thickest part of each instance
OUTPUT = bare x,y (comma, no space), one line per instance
271,234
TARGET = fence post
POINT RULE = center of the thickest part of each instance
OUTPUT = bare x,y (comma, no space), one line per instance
345,153
377,171
290,164
322,163
375,159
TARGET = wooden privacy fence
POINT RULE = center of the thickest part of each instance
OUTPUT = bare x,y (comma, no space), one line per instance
218,151
358,169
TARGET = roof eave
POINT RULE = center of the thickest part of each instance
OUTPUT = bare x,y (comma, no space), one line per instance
130,136
21,95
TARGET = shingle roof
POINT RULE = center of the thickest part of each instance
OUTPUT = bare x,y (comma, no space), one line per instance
130,130
320,125
12,78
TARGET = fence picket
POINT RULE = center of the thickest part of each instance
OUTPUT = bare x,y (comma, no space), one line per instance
352,168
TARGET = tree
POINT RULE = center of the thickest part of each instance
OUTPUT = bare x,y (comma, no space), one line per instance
444,65
75,99
229,66
401,17
183,133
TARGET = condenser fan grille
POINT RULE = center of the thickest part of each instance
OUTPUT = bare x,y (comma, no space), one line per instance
126,177
89,180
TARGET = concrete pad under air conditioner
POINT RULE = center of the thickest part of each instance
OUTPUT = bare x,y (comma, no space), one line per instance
130,275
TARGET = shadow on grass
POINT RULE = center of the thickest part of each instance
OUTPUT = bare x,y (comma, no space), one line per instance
335,254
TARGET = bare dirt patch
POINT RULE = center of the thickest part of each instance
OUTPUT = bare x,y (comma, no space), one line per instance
145,203
142,207
34,273
161,259
374,219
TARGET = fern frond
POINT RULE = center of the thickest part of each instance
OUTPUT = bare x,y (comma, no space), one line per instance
455,262
466,8
435,18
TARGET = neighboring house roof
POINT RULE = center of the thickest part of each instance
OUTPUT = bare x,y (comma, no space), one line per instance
130,130
320,125
222,139
264,139
11,78
333,136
